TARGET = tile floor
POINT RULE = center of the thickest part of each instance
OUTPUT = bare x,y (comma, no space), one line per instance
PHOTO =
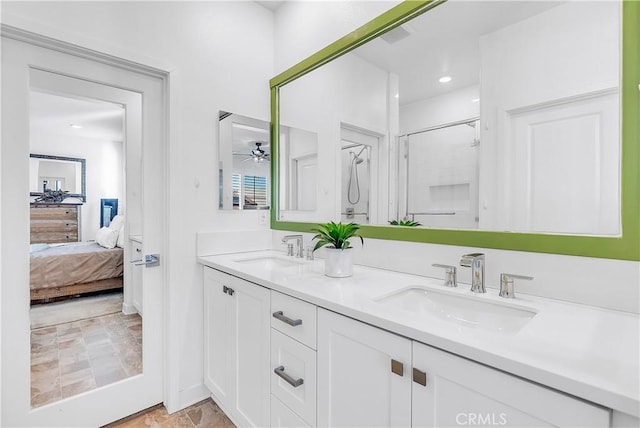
203,414
68,359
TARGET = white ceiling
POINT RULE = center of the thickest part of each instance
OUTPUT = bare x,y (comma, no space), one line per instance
53,114
445,41
245,138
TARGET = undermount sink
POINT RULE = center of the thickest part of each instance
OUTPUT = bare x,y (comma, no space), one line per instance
269,262
462,310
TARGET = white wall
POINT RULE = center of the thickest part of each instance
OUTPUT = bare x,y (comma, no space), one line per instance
543,64
220,55
105,172
322,102
599,282
439,110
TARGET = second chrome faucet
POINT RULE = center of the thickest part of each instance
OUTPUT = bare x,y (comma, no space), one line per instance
299,250
476,262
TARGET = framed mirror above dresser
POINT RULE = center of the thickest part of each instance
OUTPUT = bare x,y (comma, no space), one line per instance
57,186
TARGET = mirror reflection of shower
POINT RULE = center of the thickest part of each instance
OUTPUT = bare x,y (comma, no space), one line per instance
354,185
356,182
440,165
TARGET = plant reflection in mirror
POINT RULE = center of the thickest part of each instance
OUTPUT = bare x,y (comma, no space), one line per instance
408,223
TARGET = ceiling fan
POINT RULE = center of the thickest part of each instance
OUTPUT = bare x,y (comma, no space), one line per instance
257,154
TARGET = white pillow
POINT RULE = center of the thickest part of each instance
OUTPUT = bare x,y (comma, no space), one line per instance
107,237
120,242
116,222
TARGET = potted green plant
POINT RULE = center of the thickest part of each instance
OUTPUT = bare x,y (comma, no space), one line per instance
338,262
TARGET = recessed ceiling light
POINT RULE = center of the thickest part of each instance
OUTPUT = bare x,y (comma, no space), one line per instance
397,95
445,79
475,100
74,126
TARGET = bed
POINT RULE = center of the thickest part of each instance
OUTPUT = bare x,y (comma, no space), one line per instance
59,270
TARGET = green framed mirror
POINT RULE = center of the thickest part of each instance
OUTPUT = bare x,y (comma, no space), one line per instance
596,216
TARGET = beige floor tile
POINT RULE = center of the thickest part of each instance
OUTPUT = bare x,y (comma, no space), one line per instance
96,337
37,348
107,377
73,357
74,367
203,414
45,366
78,387
177,420
100,349
72,333
45,398
67,328
77,376
44,339
45,331
39,358
70,343
76,357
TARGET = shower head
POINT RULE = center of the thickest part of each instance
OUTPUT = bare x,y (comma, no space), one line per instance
357,157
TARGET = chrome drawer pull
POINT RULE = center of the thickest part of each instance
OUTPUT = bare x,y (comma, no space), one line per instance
279,315
291,381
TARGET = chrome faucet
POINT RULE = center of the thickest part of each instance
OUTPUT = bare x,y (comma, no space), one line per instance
299,250
476,262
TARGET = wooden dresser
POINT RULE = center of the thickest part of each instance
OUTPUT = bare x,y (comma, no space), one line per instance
51,223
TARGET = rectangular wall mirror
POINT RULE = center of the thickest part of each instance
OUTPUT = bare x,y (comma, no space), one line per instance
245,159
494,124
60,173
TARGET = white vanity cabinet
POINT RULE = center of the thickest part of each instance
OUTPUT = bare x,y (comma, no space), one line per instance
363,374
370,377
236,347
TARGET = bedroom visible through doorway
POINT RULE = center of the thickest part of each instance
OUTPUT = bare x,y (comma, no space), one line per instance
81,337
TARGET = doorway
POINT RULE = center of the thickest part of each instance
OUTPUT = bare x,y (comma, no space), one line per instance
81,336
26,65
359,172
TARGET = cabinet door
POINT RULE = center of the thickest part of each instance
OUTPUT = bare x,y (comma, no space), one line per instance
250,354
357,385
218,316
236,345
459,392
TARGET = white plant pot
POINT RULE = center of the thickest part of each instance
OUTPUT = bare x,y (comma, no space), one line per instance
338,263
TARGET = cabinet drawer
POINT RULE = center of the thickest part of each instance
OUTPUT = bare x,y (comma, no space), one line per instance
54,213
294,317
296,384
54,226
284,417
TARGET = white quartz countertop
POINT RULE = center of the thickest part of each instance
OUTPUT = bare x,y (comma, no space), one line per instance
584,351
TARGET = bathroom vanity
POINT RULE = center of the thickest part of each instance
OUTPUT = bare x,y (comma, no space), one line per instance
287,346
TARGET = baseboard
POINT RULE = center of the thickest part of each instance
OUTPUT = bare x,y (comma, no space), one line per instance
128,309
192,395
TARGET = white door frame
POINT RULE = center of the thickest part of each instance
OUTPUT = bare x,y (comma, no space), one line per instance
15,363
